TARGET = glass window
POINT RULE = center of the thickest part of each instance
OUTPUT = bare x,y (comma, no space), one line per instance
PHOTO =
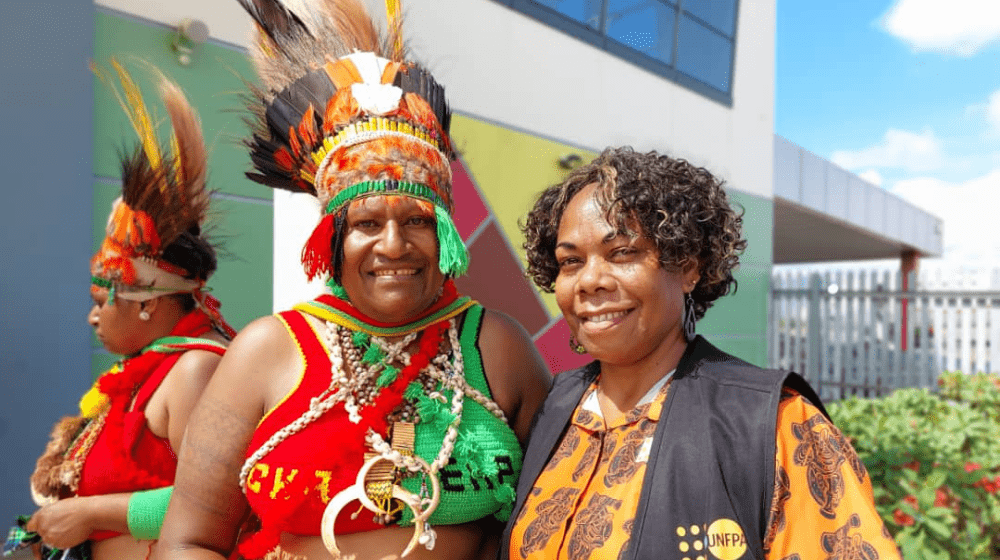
704,55
587,12
720,14
690,42
645,25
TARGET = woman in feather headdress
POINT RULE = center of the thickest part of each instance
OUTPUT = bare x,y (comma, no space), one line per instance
385,418
105,478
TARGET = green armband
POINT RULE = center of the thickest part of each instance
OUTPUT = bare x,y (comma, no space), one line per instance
146,510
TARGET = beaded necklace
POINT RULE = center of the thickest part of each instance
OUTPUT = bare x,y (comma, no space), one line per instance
377,396
365,388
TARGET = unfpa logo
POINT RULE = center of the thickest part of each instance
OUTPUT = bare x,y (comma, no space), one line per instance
723,539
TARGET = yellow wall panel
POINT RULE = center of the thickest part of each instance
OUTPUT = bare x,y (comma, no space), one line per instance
511,168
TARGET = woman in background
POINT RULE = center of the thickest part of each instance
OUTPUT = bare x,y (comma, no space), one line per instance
105,478
665,446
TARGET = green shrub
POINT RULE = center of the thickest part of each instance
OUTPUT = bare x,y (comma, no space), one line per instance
934,461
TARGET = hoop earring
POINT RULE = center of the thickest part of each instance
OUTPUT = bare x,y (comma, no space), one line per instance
144,315
689,320
575,345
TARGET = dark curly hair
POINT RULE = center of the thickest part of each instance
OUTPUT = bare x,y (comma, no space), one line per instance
193,253
683,209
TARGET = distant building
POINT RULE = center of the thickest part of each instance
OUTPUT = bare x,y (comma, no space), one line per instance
536,85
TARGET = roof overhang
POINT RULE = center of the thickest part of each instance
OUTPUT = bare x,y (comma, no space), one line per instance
824,213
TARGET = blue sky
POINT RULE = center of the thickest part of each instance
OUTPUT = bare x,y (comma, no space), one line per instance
905,93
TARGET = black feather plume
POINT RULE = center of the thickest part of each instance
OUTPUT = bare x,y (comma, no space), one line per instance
414,79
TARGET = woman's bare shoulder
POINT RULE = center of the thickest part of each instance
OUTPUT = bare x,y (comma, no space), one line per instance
507,345
515,371
194,368
263,341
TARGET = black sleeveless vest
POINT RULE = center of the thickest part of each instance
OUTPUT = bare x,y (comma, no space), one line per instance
710,476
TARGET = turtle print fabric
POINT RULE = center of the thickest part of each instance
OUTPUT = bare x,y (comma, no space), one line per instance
583,503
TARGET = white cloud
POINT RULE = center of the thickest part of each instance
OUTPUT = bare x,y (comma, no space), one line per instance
966,209
872,176
956,27
899,149
993,109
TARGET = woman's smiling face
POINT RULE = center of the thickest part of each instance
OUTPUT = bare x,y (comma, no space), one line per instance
390,268
619,300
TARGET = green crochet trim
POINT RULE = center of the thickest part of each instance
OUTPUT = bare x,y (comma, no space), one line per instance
373,354
337,289
388,375
360,338
487,456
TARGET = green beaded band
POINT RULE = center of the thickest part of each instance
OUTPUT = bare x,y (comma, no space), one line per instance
146,510
108,284
374,188
169,344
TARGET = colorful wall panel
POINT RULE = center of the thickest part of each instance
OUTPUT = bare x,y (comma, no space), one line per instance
498,176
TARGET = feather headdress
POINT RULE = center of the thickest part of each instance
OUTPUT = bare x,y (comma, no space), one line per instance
342,115
164,196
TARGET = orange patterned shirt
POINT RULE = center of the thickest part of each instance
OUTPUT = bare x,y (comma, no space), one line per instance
583,503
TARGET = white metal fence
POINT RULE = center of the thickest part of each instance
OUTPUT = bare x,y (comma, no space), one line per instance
858,332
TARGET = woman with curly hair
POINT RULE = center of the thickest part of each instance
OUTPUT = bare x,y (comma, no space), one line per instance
665,446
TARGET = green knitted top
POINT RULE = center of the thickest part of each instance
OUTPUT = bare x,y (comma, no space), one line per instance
481,477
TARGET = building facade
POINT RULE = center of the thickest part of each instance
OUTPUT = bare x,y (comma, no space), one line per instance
535,85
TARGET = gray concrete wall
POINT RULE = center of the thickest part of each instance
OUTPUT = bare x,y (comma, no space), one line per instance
45,223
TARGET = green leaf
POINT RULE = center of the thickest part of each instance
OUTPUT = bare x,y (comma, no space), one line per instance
937,528
941,513
911,542
938,554
936,479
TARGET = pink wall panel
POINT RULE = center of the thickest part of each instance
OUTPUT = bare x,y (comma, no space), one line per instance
495,279
469,208
554,347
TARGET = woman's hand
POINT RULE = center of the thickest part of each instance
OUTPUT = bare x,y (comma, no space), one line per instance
66,523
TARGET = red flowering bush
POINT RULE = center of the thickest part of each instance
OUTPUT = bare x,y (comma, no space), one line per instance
934,460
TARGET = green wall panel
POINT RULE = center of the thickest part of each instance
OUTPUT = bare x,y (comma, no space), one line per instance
758,227
212,83
245,279
101,361
753,350
105,194
737,323
742,313
241,220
